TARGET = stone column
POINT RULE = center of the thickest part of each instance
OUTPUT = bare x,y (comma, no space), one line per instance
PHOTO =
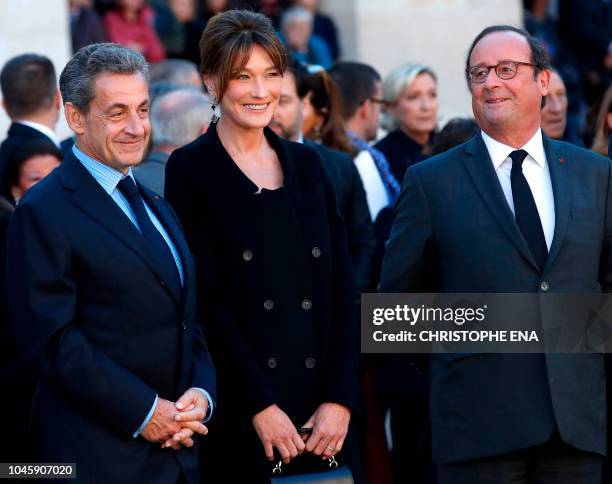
438,33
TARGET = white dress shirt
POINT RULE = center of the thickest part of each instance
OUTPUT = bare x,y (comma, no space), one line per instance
536,171
376,194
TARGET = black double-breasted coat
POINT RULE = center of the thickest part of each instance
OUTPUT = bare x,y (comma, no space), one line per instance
278,290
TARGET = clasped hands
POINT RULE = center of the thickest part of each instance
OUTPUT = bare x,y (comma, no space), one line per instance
173,424
329,426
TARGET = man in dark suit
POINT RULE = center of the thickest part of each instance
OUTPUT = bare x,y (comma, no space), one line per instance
31,100
287,123
509,211
102,294
177,118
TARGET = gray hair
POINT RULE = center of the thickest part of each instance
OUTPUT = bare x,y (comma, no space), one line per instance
394,85
175,71
78,77
177,117
296,14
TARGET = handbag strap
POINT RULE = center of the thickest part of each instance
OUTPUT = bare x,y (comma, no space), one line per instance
332,463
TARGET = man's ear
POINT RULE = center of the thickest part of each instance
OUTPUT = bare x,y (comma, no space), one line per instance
543,81
57,100
363,111
75,118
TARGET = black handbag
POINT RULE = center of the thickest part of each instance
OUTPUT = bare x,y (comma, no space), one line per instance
336,475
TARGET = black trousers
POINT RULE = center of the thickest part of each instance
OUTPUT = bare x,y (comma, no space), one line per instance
552,463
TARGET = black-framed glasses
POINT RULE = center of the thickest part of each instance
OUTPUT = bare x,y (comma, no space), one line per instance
505,70
384,103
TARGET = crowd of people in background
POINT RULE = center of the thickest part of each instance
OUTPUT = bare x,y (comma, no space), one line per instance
367,129
575,35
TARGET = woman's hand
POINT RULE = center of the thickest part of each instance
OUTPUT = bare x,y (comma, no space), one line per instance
329,426
275,429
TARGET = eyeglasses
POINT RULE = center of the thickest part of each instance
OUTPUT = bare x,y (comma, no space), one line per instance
505,70
382,102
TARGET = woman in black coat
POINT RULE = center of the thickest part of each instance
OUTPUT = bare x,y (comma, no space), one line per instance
411,116
261,220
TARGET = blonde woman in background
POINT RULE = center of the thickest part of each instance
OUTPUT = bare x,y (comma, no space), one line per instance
411,115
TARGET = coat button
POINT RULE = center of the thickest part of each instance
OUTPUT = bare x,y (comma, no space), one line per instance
310,363
272,362
163,283
268,304
184,324
544,286
247,255
306,304
316,252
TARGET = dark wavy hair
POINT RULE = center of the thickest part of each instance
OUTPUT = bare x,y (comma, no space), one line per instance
325,99
228,40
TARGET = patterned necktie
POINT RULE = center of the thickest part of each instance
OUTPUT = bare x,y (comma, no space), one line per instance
392,187
152,236
526,211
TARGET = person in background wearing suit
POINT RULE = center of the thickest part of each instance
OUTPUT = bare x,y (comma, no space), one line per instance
261,217
32,102
510,211
177,118
287,123
101,293
410,116
34,161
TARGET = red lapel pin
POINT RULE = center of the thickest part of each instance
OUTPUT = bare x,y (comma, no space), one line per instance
561,160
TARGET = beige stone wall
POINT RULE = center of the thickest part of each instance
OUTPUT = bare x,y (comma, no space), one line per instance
38,26
387,33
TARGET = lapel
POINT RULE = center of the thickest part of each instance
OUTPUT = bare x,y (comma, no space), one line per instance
480,167
559,167
215,150
91,198
156,203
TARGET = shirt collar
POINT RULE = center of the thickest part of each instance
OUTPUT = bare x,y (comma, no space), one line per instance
107,177
499,151
43,129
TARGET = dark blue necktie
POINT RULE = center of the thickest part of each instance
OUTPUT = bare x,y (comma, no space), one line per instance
156,242
526,211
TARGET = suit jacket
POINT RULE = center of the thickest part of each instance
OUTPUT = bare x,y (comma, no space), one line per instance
280,299
401,152
17,135
453,231
87,301
353,207
152,170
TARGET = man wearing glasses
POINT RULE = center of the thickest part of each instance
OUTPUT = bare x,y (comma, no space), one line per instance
510,211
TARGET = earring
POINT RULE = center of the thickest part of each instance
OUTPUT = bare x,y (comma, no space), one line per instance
215,117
